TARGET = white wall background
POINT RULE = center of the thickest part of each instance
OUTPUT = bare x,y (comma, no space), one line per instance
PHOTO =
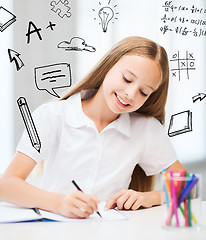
134,17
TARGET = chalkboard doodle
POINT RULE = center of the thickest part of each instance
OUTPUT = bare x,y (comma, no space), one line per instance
76,44
52,77
180,123
199,96
188,20
6,18
61,8
182,64
15,57
106,15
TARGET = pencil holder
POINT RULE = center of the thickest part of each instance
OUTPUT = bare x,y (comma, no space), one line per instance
181,200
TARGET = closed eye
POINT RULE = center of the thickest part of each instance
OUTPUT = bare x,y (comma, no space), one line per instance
126,80
143,94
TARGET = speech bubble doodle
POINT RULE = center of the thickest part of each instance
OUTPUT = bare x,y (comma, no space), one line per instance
53,76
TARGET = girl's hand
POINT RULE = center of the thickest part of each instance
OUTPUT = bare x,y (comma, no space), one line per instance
130,199
77,205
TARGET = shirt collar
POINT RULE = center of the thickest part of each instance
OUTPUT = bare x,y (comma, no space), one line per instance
75,117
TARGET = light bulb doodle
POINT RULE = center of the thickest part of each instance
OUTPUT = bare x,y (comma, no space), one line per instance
105,14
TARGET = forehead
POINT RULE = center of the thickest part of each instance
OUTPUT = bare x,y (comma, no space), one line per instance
141,68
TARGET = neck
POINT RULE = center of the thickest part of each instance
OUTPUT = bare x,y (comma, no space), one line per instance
97,110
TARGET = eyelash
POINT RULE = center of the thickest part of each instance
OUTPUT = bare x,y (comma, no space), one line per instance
143,94
126,80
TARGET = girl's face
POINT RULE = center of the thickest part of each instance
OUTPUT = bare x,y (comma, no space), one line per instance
130,82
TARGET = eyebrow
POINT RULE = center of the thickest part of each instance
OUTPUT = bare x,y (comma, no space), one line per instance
136,78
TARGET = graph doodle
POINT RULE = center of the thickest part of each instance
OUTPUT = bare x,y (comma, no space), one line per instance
15,57
106,14
76,44
53,76
29,123
6,18
182,64
180,123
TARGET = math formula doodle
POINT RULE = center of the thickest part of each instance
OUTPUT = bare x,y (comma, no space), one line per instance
182,64
187,20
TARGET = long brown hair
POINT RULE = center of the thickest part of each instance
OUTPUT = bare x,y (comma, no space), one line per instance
155,104
134,45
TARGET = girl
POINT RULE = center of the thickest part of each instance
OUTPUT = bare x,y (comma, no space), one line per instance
101,129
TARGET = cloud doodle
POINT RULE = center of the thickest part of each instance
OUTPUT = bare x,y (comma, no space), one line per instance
76,44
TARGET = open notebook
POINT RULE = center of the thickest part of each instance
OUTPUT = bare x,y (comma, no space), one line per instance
10,213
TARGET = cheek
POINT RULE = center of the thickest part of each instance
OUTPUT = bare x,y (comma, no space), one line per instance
139,102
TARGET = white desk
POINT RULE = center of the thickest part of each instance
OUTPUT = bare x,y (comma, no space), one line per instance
142,224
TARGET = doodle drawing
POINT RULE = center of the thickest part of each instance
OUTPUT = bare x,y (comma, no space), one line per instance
76,44
181,64
200,97
6,18
180,123
106,14
29,123
61,8
53,76
15,56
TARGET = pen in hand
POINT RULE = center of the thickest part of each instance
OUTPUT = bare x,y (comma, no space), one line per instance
75,184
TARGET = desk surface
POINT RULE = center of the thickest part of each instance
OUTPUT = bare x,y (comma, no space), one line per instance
142,224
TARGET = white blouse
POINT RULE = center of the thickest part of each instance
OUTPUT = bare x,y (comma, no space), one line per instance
100,163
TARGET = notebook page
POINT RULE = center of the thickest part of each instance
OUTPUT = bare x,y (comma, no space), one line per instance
12,213
110,215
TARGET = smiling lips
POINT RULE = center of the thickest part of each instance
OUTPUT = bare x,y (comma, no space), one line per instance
121,102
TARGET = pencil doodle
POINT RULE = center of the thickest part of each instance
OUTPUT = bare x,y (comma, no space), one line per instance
6,18
106,14
52,77
76,44
15,56
180,123
200,97
35,30
61,8
179,64
29,123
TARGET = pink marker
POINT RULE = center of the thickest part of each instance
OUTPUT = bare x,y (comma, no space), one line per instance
174,198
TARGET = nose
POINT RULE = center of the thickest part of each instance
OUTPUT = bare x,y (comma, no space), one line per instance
131,92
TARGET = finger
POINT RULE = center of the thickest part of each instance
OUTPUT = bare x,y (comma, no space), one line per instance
88,199
130,201
113,200
79,213
122,200
136,205
83,206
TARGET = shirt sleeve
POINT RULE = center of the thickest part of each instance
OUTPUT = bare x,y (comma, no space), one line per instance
43,124
159,152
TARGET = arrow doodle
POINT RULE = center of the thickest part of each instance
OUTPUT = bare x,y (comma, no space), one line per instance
200,97
14,56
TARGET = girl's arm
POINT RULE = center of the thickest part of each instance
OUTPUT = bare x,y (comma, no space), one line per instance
130,199
14,189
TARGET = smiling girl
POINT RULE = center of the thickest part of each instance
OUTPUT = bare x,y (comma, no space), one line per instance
106,125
